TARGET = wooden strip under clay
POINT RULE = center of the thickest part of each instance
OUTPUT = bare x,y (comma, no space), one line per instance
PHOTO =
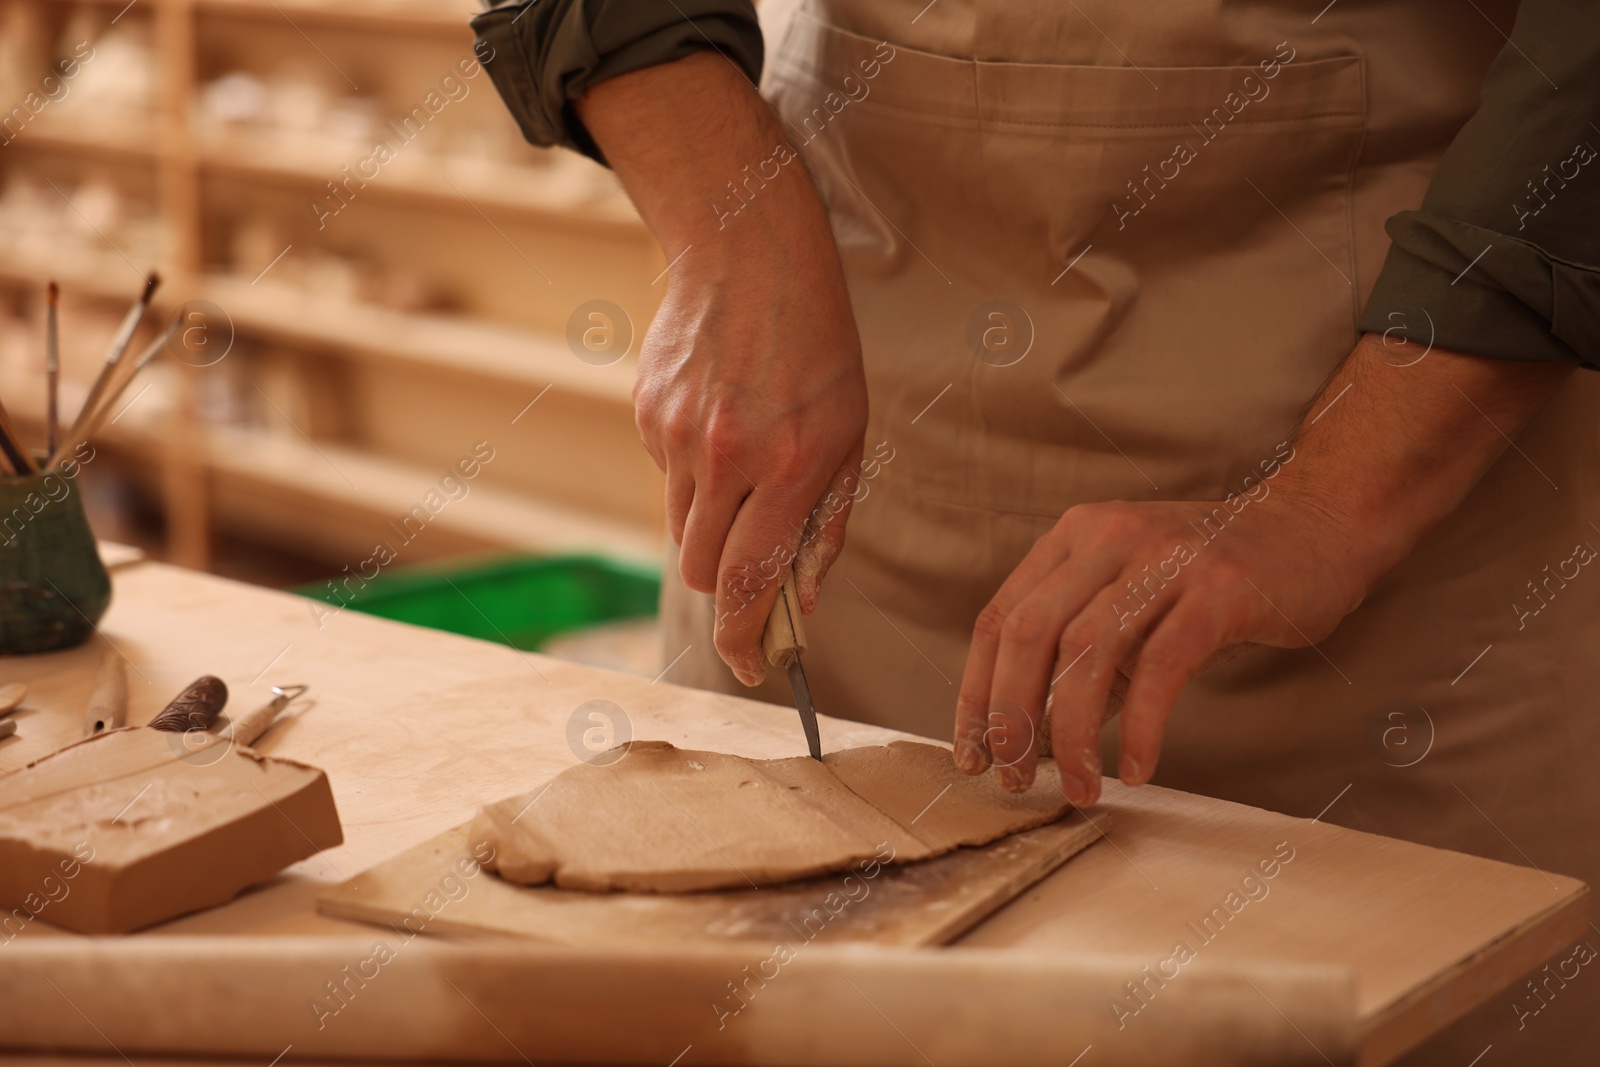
668,820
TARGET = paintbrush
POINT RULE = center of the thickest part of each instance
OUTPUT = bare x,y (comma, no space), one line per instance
52,366
88,422
119,345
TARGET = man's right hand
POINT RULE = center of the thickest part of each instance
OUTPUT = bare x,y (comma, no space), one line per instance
751,395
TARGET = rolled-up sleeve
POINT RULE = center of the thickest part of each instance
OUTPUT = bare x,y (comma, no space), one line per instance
1503,258
543,54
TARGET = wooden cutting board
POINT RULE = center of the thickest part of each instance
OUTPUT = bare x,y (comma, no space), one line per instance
437,888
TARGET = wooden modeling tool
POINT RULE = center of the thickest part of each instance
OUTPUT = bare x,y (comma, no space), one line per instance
11,697
252,724
52,368
783,641
108,704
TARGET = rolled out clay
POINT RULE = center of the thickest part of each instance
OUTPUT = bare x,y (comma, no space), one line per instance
668,820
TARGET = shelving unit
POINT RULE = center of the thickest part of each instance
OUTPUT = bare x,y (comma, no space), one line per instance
430,312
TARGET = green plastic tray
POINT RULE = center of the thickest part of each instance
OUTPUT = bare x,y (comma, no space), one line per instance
521,601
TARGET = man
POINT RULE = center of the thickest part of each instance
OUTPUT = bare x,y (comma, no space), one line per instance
1142,404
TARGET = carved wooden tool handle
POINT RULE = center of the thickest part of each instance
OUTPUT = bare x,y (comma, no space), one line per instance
108,704
252,724
785,635
196,708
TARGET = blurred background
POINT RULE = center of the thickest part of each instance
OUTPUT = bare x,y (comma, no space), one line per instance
361,327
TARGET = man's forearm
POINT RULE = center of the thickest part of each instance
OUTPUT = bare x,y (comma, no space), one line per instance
751,395
700,153
1394,442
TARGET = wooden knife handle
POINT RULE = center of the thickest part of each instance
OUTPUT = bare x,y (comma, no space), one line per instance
108,704
196,708
785,635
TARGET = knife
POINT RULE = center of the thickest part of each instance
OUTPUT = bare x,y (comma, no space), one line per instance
783,641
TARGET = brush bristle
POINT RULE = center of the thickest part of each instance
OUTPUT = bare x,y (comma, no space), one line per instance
150,284
53,293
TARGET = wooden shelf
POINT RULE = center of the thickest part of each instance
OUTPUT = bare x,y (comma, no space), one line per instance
269,482
397,15
403,16
132,134
449,343
463,185
390,368
80,271
278,483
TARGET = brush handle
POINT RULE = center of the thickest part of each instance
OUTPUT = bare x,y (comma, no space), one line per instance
52,372
88,422
119,345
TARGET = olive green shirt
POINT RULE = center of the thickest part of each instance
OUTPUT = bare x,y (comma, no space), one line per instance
548,52
1501,260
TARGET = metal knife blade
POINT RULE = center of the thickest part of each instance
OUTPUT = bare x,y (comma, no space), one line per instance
782,641
802,703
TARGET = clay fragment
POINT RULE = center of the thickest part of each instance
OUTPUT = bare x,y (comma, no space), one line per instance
903,780
12,696
668,820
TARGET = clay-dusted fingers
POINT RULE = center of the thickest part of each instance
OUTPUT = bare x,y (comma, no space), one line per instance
1029,642
1186,639
1094,643
825,529
972,754
760,548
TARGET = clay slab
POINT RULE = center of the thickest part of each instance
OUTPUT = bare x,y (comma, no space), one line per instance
666,820
134,826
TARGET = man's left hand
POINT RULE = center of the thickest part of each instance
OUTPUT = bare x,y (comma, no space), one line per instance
1155,591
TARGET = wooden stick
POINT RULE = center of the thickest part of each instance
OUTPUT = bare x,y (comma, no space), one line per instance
89,422
119,345
52,366
108,704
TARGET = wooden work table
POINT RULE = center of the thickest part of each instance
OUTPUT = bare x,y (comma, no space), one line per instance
416,729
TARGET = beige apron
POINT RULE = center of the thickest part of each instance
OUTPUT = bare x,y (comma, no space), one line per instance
1112,257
